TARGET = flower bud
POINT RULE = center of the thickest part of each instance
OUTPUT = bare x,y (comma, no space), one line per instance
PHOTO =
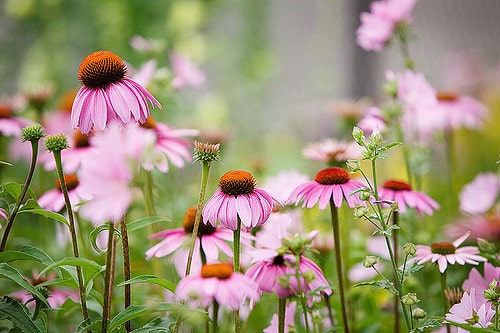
410,249
353,165
410,299
365,195
391,88
370,261
418,313
485,246
309,276
32,133
360,211
56,142
206,152
358,135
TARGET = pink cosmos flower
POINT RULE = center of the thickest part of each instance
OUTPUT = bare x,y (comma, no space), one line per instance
444,253
216,282
238,198
333,152
331,183
479,196
379,24
282,184
402,193
460,111
172,242
186,73
108,94
470,311
107,171
170,146
53,199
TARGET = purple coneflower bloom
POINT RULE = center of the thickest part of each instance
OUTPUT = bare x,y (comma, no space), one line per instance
216,282
237,197
444,253
402,193
478,196
333,152
281,185
331,183
53,199
108,94
10,124
186,73
460,111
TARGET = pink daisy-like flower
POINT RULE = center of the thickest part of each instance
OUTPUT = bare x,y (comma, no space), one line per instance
471,311
10,124
402,193
216,282
333,152
53,200
108,94
238,198
479,226
379,24
479,196
331,183
186,73
172,242
481,282
460,111
73,156
169,146
281,185
444,253
372,121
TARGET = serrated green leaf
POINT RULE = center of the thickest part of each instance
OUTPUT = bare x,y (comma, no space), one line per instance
133,311
428,324
143,222
18,314
157,325
150,279
379,284
51,215
9,272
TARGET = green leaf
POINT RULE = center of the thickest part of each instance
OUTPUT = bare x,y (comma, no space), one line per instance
51,215
133,311
428,324
150,279
157,325
143,222
72,261
379,284
12,189
27,252
472,329
5,163
411,268
9,272
18,314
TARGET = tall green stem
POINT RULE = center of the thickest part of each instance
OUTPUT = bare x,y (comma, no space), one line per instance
108,277
126,266
338,263
444,285
281,314
8,227
236,264
395,241
72,230
215,317
302,297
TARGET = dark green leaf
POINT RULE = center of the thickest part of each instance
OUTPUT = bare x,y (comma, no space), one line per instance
141,223
150,279
72,261
18,314
12,274
51,215
379,284
129,313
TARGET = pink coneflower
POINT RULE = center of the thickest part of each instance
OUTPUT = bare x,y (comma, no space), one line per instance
53,200
72,158
471,311
186,73
173,242
479,196
10,123
170,146
237,197
331,183
216,282
377,26
402,193
460,111
333,152
108,94
479,226
444,253
282,184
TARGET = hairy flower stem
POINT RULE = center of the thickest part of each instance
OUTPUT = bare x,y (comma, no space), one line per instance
126,266
338,263
302,297
108,277
236,264
215,318
445,301
281,314
395,241
205,169
72,230
8,227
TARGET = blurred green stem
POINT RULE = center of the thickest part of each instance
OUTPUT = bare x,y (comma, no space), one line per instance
126,266
236,267
215,317
302,297
108,277
444,285
281,314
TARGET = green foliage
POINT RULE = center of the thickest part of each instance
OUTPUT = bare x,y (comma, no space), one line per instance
17,313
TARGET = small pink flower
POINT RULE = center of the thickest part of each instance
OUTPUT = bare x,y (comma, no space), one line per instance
479,196
479,226
108,94
444,253
10,123
238,198
54,199
331,183
73,156
289,319
402,193
216,282
281,185
460,111
333,152
470,311
186,73
372,121
481,282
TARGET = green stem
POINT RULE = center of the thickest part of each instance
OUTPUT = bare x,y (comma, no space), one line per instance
496,314
395,241
215,317
338,263
8,227
236,267
126,267
72,230
108,284
445,301
302,297
205,168
281,314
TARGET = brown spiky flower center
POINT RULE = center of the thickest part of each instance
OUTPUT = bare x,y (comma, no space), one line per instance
71,182
188,223
331,176
396,185
446,96
101,69
5,111
237,182
220,271
81,140
150,123
443,248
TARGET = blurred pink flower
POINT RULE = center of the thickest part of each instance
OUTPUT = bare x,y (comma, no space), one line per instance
72,157
10,123
444,253
402,193
470,311
108,94
216,282
331,183
186,73
282,184
289,319
458,111
53,199
333,152
378,25
479,196
372,121
238,198
479,226
481,282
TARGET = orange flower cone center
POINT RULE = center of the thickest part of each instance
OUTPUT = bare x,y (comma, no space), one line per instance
101,69
443,248
71,182
5,112
446,96
220,271
66,100
81,140
237,182
331,176
188,223
396,185
150,123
